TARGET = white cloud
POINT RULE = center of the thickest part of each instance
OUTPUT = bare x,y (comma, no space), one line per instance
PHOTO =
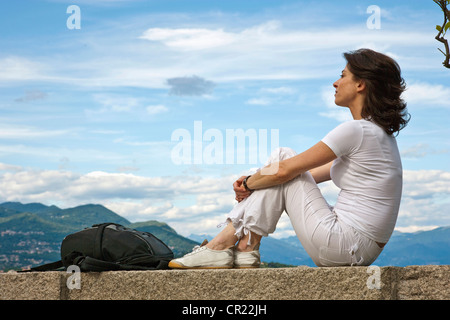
189,39
337,114
15,132
425,199
15,68
329,191
421,150
194,204
267,50
116,103
259,101
279,90
155,109
275,39
426,94
273,95
138,198
340,114
426,183
411,229
9,167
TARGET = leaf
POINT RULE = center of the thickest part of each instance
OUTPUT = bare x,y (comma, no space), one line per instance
447,26
438,28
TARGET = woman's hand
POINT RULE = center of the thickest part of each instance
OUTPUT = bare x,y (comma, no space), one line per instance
316,156
239,189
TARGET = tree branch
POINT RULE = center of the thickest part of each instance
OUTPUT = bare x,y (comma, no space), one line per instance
443,29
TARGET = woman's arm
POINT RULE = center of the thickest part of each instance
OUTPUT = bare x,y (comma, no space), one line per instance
317,156
322,173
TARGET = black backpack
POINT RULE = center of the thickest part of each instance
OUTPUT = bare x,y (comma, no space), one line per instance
111,246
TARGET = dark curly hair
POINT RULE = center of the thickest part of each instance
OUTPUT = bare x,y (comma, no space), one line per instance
382,77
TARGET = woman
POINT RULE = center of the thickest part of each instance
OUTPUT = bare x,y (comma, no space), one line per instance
360,156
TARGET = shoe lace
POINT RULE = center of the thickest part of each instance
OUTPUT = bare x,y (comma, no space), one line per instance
198,248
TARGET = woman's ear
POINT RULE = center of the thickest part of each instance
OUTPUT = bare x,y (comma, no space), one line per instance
360,86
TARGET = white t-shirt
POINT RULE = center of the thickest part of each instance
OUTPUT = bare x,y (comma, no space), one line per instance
368,171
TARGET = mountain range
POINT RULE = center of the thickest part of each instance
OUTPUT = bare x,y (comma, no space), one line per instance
31,234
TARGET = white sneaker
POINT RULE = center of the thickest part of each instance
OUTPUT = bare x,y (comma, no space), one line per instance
250,259
202,257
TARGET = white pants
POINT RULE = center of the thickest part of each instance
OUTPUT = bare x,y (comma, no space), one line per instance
327,240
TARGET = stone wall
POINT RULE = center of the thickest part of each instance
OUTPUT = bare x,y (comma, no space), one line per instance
300,283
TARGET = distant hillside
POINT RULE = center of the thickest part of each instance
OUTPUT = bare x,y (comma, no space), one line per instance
31,234
405,249
76,218
179,244
418,248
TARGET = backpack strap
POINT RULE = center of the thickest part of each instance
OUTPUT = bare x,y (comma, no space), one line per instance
98,242
87,264
52,266
98,252
95,265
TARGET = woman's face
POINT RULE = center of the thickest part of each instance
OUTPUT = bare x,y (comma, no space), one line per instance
346,89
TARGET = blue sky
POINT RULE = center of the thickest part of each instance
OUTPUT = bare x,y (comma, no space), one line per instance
92,115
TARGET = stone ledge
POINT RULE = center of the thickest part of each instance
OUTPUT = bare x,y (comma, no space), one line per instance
300,283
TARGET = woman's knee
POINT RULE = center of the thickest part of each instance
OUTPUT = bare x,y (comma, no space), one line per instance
281,153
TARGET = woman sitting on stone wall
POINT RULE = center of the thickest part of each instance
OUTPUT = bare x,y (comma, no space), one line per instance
360,156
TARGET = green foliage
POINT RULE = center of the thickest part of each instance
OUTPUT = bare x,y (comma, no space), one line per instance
447,26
